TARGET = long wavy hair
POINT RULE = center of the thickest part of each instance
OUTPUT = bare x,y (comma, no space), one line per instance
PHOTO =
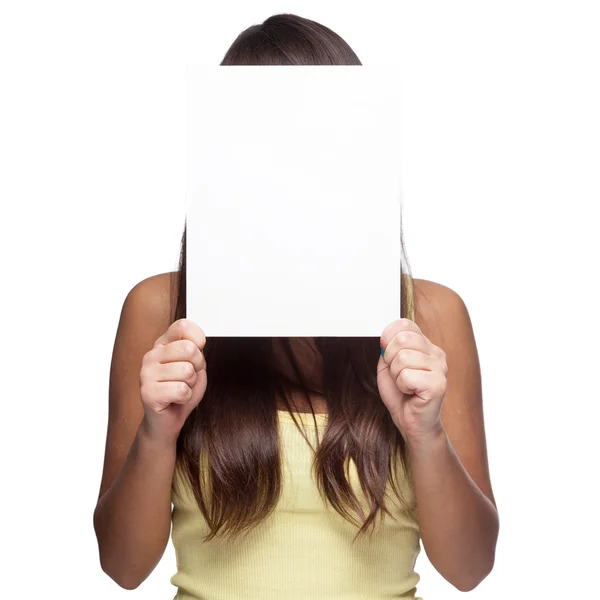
233,432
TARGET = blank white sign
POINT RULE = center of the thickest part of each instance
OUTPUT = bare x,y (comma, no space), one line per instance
293,200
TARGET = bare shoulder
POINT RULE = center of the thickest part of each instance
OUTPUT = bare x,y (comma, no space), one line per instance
426,288
157,295
437,308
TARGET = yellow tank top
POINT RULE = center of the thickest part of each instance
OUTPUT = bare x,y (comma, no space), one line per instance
303,549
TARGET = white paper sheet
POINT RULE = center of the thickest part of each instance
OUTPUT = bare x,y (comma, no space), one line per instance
293,200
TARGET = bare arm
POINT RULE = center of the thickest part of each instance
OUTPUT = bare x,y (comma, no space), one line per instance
132,519
457,510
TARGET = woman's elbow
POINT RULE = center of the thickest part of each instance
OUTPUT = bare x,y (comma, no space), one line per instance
125,579
470,584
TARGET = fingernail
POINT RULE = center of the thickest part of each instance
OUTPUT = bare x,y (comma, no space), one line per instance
382,352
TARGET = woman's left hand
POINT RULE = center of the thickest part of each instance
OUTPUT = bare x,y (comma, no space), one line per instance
412,379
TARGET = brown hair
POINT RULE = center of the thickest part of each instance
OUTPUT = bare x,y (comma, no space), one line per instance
228,449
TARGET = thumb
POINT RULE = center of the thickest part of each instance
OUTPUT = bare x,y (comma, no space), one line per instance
198,390
388,390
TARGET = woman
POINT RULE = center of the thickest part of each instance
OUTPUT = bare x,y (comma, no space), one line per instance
269,503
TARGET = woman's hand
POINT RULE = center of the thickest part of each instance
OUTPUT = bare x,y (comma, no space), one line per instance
173,379
412,378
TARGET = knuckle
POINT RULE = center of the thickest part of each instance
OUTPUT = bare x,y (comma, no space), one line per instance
147,357
187,323
188,370
182,389
403,337
145,393
147,378
202,337
143,371
439,352
441,358
183,325
191,330
403,355
189,348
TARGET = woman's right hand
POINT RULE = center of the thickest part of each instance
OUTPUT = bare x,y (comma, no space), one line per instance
173,379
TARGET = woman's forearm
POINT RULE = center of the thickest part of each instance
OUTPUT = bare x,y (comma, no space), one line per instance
132,519
458,524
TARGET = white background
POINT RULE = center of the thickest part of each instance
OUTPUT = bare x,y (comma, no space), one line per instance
500,183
